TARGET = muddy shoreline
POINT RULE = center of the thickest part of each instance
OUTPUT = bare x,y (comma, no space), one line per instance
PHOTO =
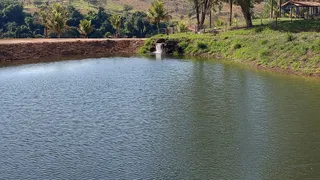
42,49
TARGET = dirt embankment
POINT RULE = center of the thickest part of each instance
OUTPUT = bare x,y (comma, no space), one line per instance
25,49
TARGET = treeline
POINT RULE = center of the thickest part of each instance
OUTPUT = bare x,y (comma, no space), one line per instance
205,7
55,20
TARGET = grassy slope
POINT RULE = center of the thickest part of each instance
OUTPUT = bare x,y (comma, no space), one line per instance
291,47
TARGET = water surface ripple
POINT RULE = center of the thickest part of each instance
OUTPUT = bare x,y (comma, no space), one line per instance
137,118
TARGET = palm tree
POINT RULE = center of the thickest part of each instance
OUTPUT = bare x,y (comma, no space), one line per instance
57,19
116,23
158,13
85,27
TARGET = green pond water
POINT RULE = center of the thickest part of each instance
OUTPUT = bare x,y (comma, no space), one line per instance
142,118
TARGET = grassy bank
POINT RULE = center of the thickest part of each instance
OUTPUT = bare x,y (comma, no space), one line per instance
292,47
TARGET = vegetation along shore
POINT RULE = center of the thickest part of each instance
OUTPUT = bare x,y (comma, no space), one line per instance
290,47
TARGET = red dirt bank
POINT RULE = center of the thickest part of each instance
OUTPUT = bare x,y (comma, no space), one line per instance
25,49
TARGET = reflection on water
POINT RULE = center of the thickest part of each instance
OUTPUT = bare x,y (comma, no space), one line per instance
158,56
133,118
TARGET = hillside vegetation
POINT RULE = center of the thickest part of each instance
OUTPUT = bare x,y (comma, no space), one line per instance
38,18
60,20
179,9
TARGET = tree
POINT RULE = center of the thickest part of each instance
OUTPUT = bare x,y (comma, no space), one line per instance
98,18
116,23
14,13
74,16
158,13
202,8
57,19
85,27
269,7
44,22
246,8
29,21
101,22
23,32
138,25
230,13
279,7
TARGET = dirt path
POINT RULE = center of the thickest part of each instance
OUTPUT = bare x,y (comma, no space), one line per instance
19,41
42,49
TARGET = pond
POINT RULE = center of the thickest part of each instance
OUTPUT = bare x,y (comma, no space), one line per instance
142,118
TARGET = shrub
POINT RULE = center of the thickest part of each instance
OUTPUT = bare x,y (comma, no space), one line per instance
202,45
182,26
264,42
127,7
290,37
107,35
38,36
316,46
258,29
301,49
183,44
237,46
264,53
219,22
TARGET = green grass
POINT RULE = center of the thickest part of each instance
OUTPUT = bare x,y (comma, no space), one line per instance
289,46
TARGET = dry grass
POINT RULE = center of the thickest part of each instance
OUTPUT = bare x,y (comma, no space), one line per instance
179,9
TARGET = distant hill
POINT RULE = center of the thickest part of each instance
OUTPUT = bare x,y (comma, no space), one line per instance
179,9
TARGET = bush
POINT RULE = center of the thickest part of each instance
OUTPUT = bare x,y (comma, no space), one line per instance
183,44
237,46
9,34
316,46
219,22
264,53
290,37
127,7
107,35
202,45
38,36
182,27
264,42
258,29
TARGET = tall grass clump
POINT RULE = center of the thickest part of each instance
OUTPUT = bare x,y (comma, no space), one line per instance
202,45
237,46
290,37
